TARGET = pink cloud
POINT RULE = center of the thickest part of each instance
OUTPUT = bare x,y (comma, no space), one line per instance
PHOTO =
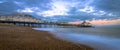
105,22
100,22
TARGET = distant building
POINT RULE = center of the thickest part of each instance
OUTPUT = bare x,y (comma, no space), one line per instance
20,18
85,24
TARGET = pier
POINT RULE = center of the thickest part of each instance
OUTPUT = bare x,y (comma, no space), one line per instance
35,24
30,21
26,20
20,20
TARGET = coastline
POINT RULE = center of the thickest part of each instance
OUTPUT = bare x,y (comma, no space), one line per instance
25,38
96,41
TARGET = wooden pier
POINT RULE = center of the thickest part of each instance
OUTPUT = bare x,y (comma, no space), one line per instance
27,20
32,24
20,20
30,21
18,23
36,24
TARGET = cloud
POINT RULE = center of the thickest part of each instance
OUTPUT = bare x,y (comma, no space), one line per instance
108,6
8,7
87,9
99,13
58,8
1,1
65,10
99,22
28,10
105,22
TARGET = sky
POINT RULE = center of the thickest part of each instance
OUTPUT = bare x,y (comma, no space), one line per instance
64,10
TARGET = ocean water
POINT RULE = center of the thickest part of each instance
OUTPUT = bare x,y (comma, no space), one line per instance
100,37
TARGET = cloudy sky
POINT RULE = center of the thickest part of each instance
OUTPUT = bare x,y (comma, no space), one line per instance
64,10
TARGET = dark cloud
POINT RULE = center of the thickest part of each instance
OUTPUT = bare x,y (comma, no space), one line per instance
108,5
42,4
8,8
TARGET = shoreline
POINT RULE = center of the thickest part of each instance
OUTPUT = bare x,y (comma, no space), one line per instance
95,41
25,38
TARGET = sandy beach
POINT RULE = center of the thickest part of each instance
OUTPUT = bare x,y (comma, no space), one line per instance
25,38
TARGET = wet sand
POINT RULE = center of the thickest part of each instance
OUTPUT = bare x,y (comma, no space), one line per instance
25,38
98,38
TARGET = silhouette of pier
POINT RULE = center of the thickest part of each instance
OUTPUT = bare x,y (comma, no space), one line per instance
35,24
38,24
19,23
30,21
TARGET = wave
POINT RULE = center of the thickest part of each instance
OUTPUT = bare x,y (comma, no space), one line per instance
95,41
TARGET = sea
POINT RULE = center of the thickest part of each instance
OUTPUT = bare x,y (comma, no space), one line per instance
97,37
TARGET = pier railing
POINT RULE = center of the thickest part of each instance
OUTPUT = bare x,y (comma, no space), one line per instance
27,20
